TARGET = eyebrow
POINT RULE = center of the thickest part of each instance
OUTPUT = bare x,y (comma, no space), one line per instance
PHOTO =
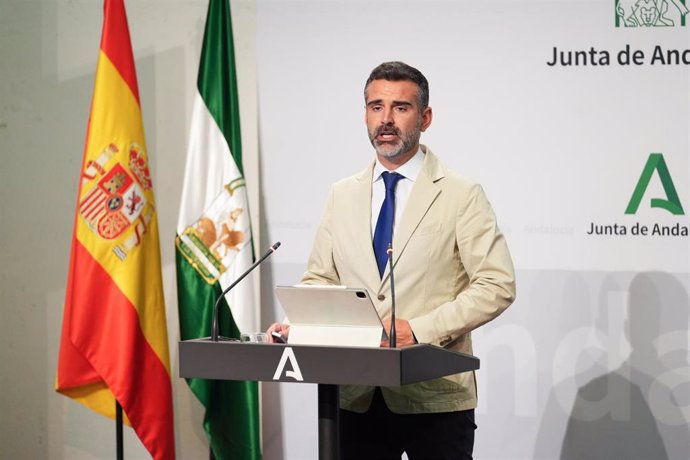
395,103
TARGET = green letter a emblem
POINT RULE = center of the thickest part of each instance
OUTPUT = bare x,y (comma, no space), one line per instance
671,203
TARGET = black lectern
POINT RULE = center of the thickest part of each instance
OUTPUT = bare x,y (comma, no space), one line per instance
326,366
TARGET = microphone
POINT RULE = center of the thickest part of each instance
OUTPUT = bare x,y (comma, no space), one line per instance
214,326
393,339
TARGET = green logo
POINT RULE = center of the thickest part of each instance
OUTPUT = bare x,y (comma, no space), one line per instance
671,203
650,13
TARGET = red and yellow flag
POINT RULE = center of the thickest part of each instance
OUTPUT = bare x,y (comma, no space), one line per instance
114,343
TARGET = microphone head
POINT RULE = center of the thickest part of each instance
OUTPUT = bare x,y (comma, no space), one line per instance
275,246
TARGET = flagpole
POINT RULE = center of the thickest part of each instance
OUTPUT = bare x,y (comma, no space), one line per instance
118,432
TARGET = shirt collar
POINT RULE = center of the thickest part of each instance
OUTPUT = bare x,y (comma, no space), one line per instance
410,169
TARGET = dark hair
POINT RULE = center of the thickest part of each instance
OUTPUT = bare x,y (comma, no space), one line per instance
399,71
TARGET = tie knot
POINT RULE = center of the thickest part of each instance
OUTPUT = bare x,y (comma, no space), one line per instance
390,179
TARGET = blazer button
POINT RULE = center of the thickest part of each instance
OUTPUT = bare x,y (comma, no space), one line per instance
381,297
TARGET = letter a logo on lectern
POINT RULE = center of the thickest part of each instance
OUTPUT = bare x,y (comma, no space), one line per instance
295,373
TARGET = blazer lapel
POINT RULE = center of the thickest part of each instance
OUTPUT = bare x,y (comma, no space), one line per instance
361,219
423,194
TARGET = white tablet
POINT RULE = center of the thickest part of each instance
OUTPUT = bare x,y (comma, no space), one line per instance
330,315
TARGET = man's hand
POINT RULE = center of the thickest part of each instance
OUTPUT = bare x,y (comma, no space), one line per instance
280,328
403,333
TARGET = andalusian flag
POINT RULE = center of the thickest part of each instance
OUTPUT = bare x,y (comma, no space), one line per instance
114,342
214,244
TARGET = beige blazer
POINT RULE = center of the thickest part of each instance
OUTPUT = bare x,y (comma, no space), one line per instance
453,273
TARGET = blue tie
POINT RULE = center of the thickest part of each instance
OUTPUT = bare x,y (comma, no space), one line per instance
383,235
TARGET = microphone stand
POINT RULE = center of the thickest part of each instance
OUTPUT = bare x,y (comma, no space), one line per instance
214,326
393,338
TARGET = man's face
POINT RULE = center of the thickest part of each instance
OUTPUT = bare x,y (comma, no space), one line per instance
393,119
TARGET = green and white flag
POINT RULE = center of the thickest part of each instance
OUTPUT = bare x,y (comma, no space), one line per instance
214,243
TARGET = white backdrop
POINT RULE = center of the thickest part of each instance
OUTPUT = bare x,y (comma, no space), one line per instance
591,360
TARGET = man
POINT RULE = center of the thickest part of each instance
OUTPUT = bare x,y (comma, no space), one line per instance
453,272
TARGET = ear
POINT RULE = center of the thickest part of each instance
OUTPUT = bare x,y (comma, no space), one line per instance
427,116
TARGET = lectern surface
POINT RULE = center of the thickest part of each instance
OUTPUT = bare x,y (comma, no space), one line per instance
203,358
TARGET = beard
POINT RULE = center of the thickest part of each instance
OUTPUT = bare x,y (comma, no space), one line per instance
397,147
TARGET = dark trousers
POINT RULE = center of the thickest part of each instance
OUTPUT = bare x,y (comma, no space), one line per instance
381,434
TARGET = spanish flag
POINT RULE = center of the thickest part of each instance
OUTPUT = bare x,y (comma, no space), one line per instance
114,343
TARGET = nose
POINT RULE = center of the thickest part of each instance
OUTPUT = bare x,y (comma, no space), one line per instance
387,116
